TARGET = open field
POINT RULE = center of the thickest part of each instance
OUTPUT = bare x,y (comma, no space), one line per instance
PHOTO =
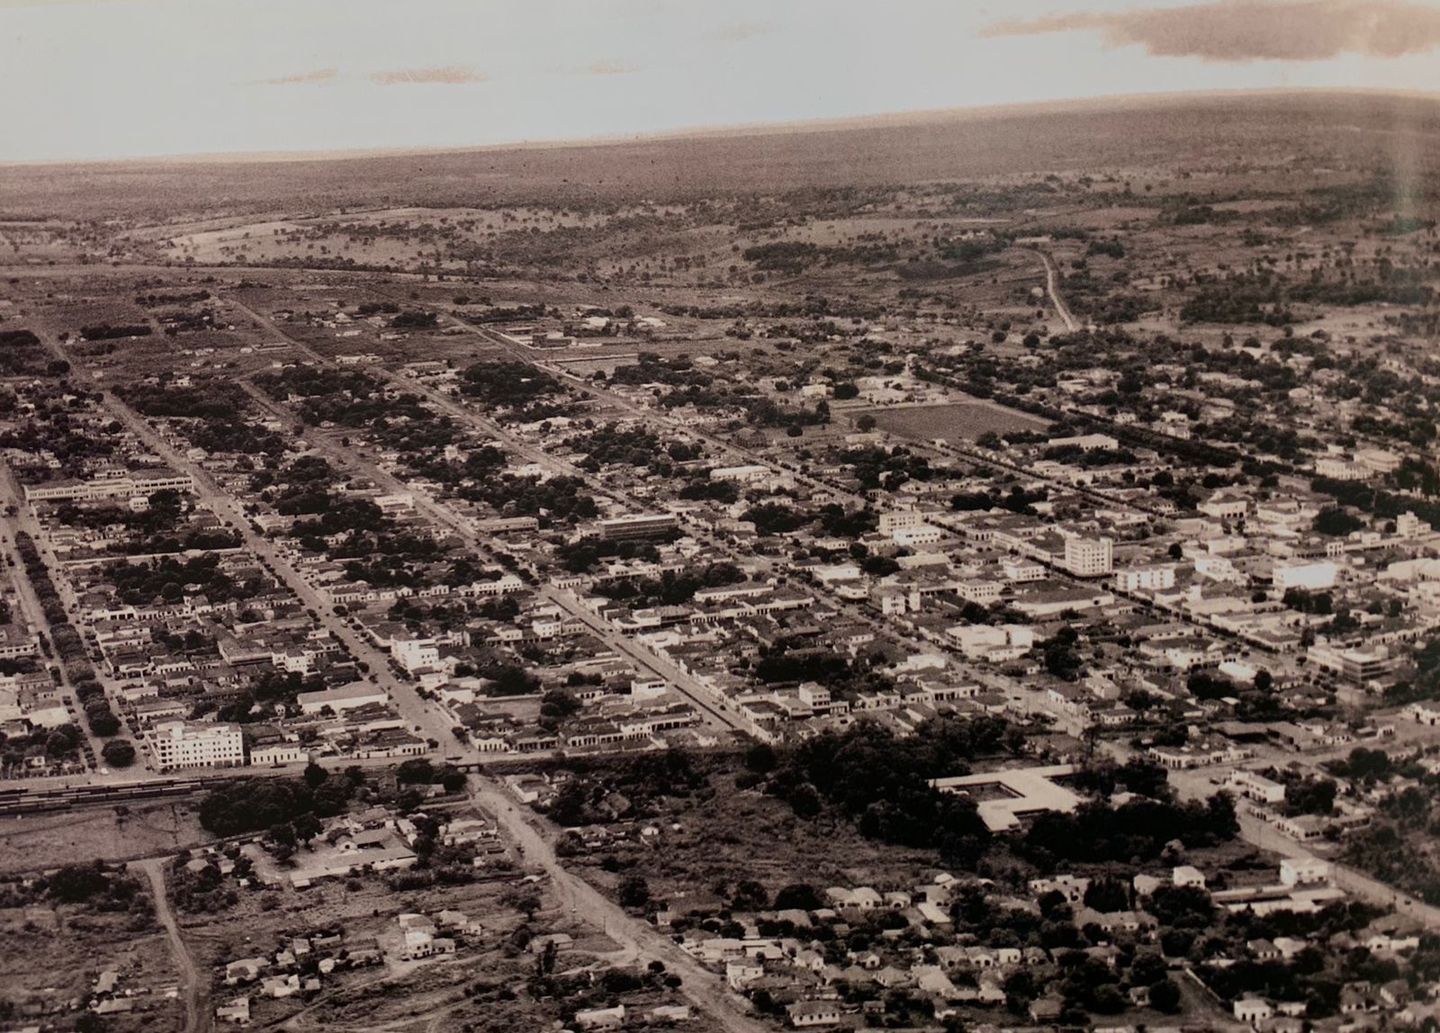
58,954
961,421
40,841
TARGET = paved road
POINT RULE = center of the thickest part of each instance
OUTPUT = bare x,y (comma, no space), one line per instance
439,512
687,685
24,520
411,707
194,984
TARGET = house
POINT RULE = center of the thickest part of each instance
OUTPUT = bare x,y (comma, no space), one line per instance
601,1018
740,974
1047,1008
1253,1010
809,1014
1187,875
280,986
670,1013
245,970
1263,950
1303,871
236,1011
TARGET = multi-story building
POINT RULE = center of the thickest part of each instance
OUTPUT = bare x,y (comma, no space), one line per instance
1089,557
1353,664
639,526
892,520
182,744
1150,579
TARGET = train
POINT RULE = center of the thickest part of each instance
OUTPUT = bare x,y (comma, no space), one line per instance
17,800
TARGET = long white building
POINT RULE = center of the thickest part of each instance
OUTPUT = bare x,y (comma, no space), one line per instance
109,486
181,744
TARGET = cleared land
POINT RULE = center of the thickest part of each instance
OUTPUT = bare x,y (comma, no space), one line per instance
960,421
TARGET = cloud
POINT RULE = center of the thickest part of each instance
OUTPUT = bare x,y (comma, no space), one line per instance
450,75
609,68
1255,30
304,78
739,32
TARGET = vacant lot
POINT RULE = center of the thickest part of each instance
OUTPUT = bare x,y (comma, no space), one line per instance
56,951
960,421
36,842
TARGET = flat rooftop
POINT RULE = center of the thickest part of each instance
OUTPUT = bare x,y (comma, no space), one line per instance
1026,791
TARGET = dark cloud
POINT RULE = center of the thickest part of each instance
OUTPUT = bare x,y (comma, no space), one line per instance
1256,30
451,75
320,75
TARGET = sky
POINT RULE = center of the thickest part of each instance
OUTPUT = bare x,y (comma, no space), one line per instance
101,79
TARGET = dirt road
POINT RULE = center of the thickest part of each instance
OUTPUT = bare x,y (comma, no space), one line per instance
194,985
1052,288
704,988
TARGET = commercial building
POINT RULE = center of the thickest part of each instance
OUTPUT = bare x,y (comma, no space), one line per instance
1354,664
344,697
1150,579
180,744
109,486
1089,557
740,474
1304,575
637,527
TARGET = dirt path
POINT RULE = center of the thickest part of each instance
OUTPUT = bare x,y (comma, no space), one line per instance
1052,288
194,984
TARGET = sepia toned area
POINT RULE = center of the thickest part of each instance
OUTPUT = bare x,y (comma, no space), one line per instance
970,571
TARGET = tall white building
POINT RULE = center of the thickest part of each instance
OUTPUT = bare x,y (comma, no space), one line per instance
1089,557
415,654
892,520
180,744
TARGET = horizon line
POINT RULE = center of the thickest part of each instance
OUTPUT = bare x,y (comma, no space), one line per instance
823,124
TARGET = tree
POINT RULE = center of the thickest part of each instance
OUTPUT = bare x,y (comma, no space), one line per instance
1337,522
1165,996
760,758
416,770
1147,968
306,827
103,721
77,882
865,423
799,896
633,892
558,704
314,775
750,896
119,753
1107,895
